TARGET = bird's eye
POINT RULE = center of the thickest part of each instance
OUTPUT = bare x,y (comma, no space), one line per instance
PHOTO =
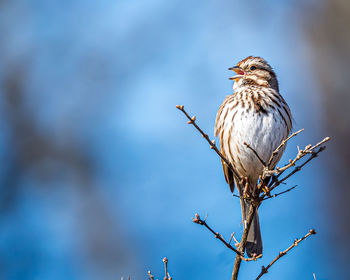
252,68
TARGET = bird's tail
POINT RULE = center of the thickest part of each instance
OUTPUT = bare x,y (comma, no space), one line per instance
254,242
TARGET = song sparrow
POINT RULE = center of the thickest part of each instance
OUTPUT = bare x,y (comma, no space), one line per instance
257,114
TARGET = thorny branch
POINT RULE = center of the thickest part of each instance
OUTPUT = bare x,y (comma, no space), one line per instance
265,185
264,269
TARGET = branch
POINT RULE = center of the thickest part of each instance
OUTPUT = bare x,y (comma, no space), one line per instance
199,221
254,258
255,198
256,154
151,277
242,244
264,269
283,143
234,238
167,275
277,182
211,142
278,194
309,149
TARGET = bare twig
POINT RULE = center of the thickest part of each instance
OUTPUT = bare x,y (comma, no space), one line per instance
151,277
234,238
277,182
232,235
206,137
264,269
256,154
165,261
283,143
309,149
254,258
199,221
278,194
242,244
166,276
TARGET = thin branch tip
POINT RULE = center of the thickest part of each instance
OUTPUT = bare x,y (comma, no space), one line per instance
197,219
256,154
295,243
217,235
151,277
192,120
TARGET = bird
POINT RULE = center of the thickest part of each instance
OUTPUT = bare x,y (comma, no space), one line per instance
255,114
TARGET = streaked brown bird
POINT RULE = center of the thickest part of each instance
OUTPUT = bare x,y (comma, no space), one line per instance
257,114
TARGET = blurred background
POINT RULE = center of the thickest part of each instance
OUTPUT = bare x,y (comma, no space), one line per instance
100,175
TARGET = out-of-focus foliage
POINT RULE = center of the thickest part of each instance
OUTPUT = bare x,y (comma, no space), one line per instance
327,32
100,174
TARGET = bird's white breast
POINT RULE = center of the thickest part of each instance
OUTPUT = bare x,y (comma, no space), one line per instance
262,131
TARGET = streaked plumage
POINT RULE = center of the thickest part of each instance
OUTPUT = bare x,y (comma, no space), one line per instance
256,114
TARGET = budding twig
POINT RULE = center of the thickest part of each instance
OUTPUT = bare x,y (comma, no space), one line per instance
192,120
234,238
277,182
278,194
264,269
166,276
283,143
151,277
313,151
309,149
199,221
254,258
165,261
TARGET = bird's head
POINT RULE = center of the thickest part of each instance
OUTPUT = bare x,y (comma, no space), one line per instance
254,71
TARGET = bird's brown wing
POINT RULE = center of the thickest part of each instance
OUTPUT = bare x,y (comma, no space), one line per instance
218,132
228,174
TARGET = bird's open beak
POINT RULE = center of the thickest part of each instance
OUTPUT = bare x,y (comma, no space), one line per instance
240,73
